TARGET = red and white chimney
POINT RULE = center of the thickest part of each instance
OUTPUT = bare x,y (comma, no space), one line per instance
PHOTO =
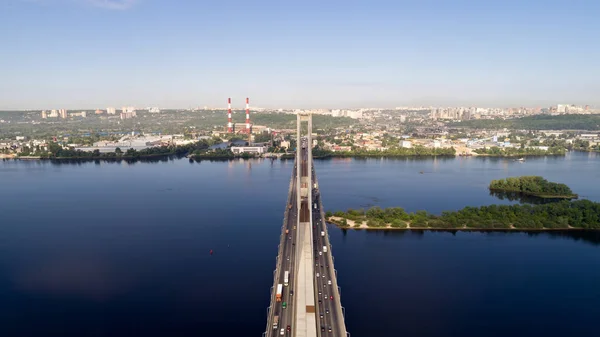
229,123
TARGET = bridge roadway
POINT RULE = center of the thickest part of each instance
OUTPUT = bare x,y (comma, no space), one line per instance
286,261
330,319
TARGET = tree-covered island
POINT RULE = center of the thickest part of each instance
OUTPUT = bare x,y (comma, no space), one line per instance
533,186
564,215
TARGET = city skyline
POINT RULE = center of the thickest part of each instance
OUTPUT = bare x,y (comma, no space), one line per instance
88,54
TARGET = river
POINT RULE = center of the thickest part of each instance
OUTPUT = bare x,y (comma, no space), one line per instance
118,249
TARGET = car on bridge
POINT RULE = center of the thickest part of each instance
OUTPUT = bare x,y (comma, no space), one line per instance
282,331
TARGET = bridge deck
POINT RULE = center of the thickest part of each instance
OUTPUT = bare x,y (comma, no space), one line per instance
305,305
298,255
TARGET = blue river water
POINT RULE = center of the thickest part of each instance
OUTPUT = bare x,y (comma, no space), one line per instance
118,249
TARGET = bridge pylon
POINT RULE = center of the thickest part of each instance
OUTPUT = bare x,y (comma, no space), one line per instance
304,165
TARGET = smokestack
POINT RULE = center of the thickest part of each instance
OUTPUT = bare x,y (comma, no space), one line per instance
229,123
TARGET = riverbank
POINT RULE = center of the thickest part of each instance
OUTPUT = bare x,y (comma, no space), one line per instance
109,158
337,221
565,215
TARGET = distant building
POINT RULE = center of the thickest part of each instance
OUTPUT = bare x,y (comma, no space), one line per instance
128,115
248,149
406,144
63,113
111,111
44,114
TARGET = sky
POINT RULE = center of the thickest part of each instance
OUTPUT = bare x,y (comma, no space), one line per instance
87,54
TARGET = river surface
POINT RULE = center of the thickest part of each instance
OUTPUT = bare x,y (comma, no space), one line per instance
117,249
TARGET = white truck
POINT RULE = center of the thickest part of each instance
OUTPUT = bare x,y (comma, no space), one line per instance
322,233
278,293
275,322
324,249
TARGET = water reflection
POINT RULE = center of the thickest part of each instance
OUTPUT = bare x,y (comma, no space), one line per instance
523,198
590,237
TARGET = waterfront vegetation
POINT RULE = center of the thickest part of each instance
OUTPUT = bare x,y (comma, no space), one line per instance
496,151
579,214
533,186
57,152
417,151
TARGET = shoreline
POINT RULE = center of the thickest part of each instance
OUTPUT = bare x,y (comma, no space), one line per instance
363,226
317,157
541,196
466,229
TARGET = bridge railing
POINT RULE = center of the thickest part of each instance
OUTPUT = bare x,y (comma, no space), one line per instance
337,299
269,328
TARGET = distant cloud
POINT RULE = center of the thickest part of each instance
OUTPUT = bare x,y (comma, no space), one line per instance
113,4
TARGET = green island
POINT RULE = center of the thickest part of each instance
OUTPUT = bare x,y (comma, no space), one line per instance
533,186
562,215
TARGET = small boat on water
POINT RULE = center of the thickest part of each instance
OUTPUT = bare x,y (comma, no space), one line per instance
421,172
520,159
211,252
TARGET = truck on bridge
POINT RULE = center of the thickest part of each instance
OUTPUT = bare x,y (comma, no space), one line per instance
278,293
324,249
286,278
275,322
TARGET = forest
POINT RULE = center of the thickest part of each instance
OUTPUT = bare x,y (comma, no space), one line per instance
579,214
534,186
496,151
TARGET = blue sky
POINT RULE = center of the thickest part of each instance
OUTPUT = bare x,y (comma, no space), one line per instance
298,54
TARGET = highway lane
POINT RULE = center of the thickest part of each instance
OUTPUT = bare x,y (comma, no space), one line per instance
286,263
331,324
